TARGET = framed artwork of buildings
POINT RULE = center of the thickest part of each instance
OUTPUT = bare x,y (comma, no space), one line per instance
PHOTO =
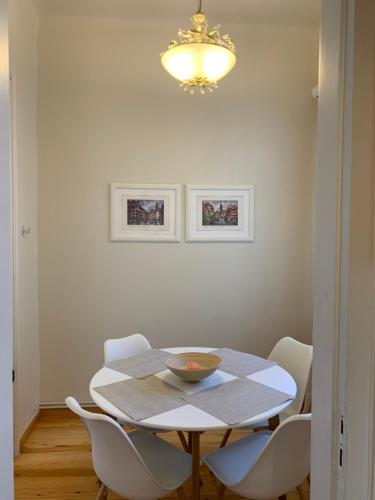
145,212
219,213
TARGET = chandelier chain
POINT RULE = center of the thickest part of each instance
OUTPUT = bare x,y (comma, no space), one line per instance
199,11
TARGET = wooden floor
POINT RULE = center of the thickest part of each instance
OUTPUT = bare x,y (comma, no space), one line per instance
55,462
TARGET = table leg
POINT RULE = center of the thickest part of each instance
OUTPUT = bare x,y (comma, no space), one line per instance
189,442
181,435
195,455
274,422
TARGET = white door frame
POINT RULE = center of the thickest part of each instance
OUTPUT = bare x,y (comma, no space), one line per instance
6,268
327,249
338,328
357,315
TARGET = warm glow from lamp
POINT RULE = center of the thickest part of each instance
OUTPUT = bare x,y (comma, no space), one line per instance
198,60
201,57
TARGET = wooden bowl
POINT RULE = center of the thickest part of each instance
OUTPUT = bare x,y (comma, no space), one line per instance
193,366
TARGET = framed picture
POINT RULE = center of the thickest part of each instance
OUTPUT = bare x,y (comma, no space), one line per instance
219,213
145,212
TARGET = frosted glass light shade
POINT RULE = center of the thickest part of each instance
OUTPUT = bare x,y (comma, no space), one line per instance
198,61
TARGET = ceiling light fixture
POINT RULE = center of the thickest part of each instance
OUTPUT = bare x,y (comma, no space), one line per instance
201,57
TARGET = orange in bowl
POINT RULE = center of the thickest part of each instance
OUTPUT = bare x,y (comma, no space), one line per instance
193,366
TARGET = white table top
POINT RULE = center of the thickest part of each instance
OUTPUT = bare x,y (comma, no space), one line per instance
188,417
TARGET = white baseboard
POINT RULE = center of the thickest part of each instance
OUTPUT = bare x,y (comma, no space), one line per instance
21,436
61,404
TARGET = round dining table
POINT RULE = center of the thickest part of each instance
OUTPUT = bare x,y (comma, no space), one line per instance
189,418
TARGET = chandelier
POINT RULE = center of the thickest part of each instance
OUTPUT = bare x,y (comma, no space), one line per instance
201,57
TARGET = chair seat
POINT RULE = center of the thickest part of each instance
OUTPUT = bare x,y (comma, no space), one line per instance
170,466
231,464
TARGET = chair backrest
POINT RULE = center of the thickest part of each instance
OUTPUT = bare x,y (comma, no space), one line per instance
295,358
127,346
284,462
116,461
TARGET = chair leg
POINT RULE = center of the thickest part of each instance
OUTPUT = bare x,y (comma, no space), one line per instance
181,493
225,438
221,491
102,493
300,493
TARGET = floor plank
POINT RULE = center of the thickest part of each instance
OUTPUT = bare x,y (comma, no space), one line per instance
60,463
55,463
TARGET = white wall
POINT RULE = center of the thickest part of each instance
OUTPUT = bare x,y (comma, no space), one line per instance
23,40
108,112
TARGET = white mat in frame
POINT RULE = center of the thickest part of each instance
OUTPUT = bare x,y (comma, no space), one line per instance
219,213
145,212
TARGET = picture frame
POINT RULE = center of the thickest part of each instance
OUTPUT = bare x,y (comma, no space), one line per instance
220,213
145,212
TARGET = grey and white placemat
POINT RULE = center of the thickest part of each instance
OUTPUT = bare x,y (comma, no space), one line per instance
237,401
141,365
142,399
241,364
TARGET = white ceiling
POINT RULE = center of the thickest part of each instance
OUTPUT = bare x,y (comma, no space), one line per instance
225,11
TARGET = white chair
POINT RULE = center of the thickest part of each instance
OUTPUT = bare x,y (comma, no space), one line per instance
138,465
296,358
115,349
265,464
